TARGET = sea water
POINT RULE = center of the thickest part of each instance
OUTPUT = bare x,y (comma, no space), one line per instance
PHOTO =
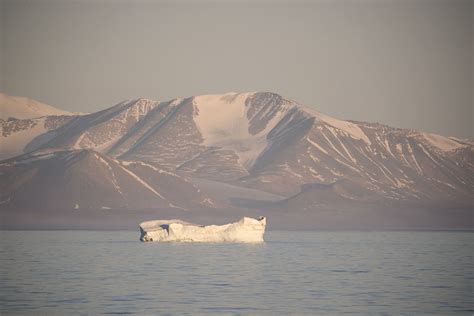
87,272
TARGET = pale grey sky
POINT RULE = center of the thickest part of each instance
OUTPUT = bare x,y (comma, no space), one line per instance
397,62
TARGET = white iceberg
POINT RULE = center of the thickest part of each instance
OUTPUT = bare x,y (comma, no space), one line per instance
246,230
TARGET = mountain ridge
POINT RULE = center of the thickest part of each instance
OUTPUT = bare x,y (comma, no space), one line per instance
263,142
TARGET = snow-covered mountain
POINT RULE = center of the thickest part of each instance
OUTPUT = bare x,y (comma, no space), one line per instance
272,146
264,141
19,135
24,108
22,120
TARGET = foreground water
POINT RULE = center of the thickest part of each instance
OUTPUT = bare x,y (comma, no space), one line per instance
68,272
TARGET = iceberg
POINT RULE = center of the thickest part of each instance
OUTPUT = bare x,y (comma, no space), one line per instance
246,230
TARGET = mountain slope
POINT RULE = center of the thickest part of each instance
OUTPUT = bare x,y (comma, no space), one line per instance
267,143
101,130
396,163
84,179
24,123
18,136
24,108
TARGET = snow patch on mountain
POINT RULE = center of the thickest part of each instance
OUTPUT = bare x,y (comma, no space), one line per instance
443,143
24,108
142,182
222,121
14,143
350,128
111,172
316,145
221,117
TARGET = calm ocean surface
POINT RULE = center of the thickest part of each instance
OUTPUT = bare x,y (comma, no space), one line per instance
85,272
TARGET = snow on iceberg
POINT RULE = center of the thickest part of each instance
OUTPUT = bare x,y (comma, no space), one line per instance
246,230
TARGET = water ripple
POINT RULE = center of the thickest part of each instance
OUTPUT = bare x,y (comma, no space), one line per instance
292,273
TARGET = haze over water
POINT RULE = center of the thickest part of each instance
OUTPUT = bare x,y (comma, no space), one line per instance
292,272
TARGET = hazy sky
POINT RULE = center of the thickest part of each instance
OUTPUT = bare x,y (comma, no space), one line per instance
402,63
